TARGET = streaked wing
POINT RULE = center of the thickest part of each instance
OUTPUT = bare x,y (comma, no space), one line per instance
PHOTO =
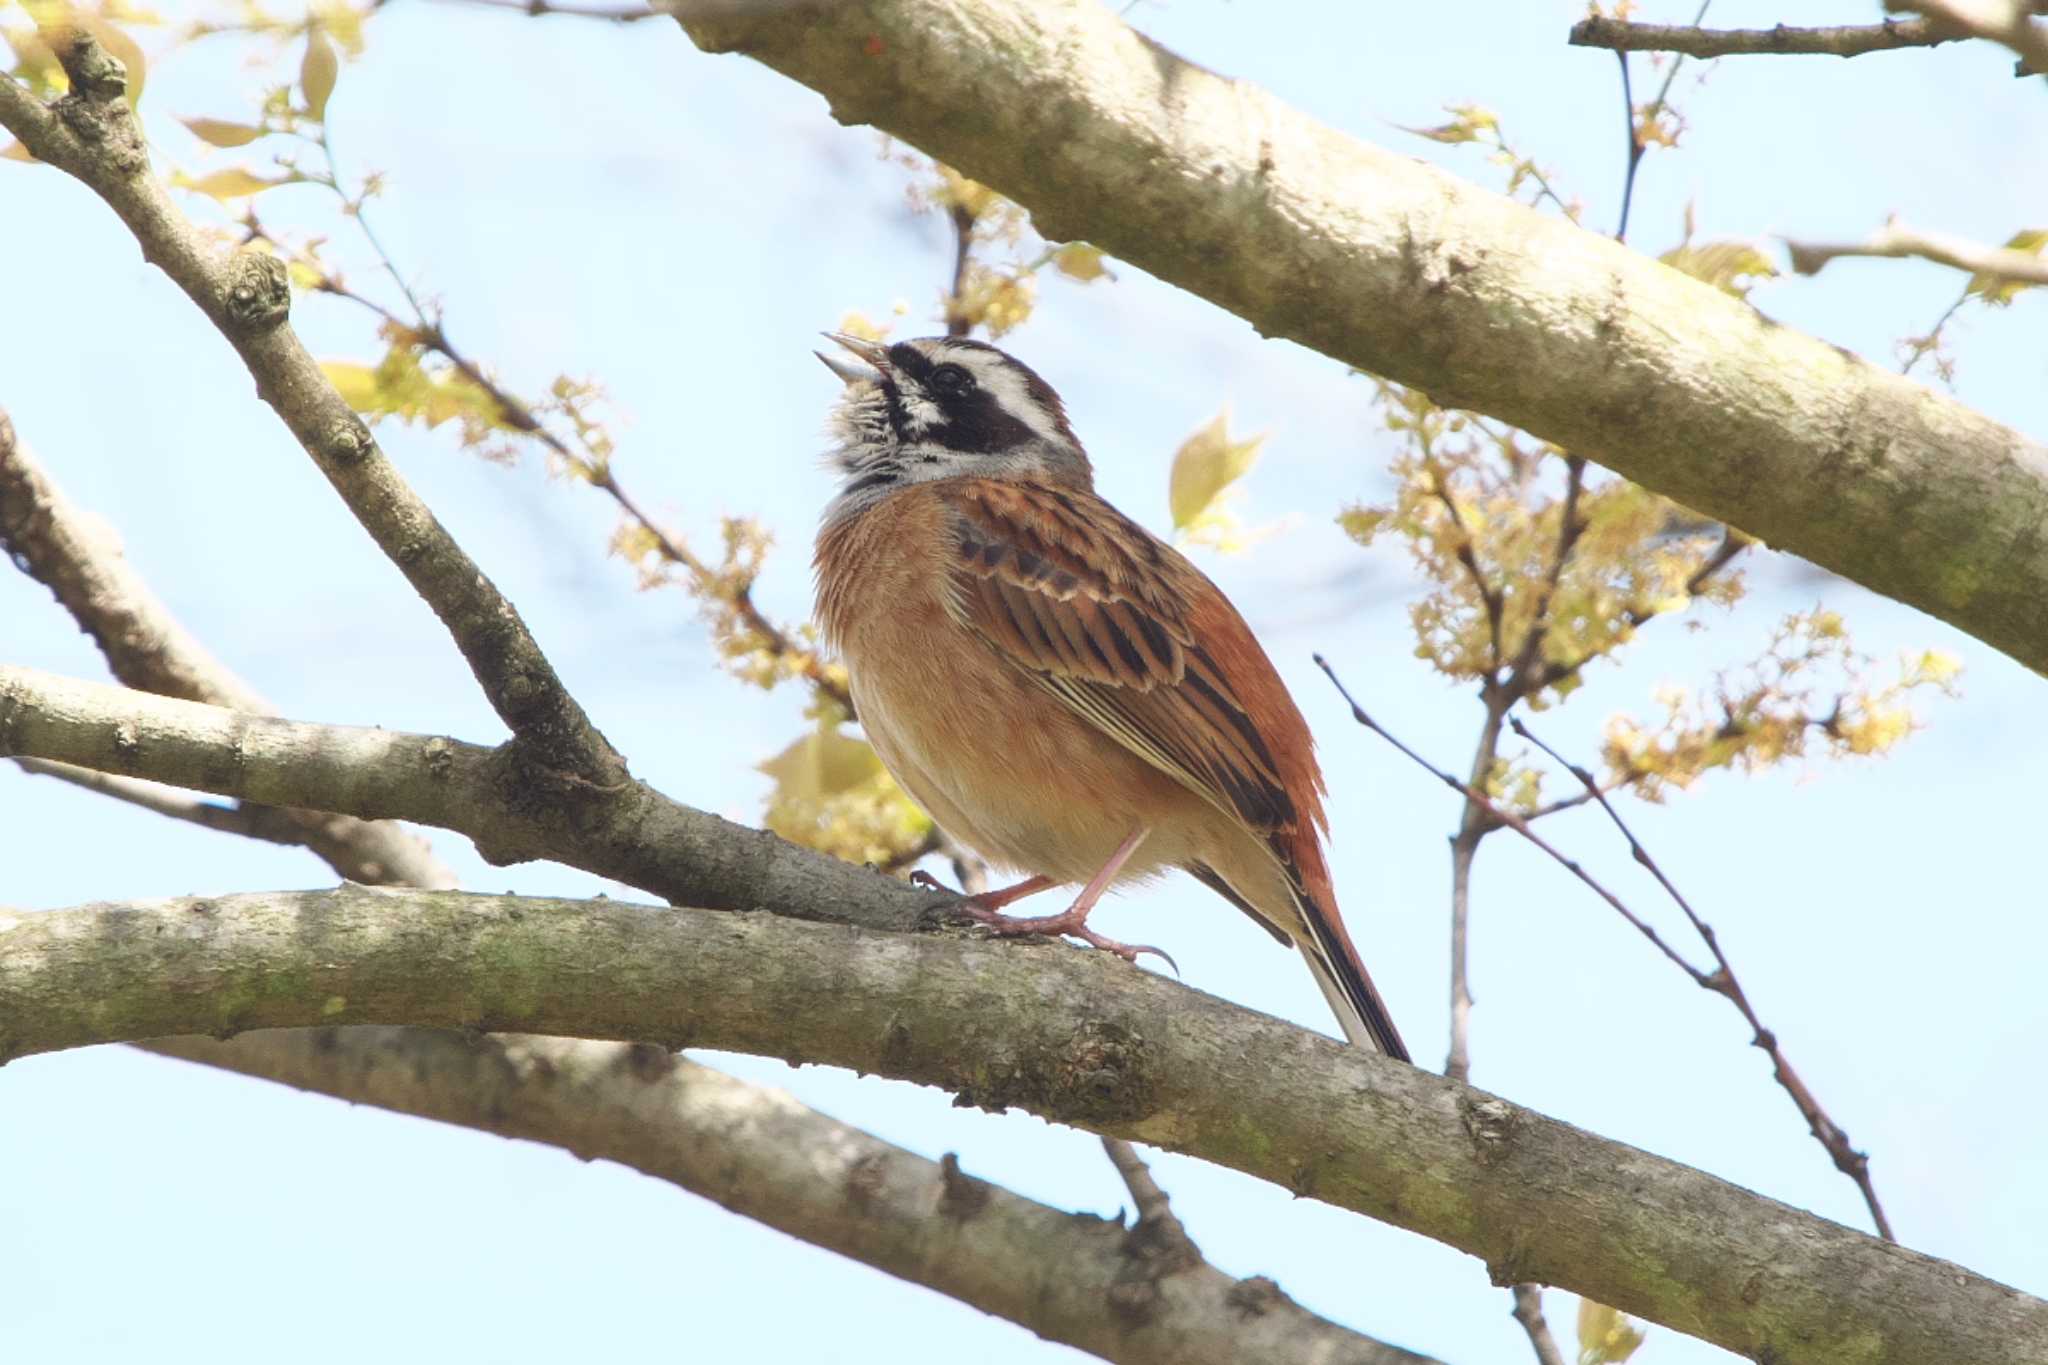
1104,615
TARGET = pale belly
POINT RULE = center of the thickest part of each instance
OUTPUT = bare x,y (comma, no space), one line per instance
1005,768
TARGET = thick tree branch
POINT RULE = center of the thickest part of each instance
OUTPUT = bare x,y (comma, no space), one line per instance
759,1153
1845,40
1897,241
79,559
93,135
1218,187
1073,1036
632,834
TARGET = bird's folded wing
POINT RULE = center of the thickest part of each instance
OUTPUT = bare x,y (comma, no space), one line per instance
1122,629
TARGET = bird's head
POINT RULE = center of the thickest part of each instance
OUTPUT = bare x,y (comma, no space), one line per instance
940,407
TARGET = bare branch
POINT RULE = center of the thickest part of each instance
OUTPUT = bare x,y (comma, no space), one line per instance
92,135
630,833
2008,22
1428,281
1073,1036
1896,241
1723,982
80,560
1690,40
761,1154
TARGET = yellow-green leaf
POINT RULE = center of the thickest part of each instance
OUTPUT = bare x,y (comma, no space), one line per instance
1207,463
221,133
1080,261
317,71
822,763
357,384
233,183
1734,267
2001,289
1605,1336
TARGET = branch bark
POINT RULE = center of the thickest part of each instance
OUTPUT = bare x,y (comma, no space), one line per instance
1844,40
1072,1036
761,1154
1218,187
631,834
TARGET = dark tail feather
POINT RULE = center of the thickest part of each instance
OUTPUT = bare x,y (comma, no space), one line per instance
1352,996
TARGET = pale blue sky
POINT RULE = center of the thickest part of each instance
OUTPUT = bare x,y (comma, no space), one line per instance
607,201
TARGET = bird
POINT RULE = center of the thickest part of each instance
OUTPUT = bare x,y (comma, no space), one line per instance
1058,688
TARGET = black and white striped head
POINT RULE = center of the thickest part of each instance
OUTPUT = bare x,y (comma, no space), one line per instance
941,407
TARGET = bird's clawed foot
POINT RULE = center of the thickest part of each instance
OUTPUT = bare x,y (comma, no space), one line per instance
1071,922
986,908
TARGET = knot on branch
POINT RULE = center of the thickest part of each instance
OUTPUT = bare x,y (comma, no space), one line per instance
259,291
349,441
95,73
1256,1297
961,1196
1491,1126
96,110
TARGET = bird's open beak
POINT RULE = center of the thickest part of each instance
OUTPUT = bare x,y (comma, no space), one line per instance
873,353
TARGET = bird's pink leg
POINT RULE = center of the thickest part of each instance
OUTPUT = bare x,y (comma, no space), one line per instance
987,900
1073,921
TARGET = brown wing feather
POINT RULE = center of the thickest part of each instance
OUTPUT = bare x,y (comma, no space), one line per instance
1109,618
1123,629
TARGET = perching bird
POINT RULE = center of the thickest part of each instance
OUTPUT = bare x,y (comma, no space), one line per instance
1057,687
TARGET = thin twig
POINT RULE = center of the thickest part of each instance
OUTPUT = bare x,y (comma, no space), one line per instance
1690,40
1512,821
958,324
1529,1312
1722,981
1733,543
1636,145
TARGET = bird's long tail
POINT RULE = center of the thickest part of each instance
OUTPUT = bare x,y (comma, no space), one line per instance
1346,985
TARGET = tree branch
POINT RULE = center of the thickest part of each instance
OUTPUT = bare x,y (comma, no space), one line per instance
631,834
1845,40
1895,240
764,1156
1428,281
79,559
1073,1036
92,135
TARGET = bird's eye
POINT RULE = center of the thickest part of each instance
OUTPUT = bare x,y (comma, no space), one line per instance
951,380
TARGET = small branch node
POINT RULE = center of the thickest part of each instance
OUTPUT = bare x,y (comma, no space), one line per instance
258,291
